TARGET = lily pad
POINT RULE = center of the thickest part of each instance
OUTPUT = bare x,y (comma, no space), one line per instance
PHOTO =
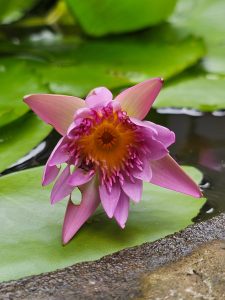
19,137
72,66
17,79
118,62
202,93
13,10
100,17
31,228
205,18
79,80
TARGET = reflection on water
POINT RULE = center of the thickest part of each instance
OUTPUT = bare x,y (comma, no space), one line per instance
200,142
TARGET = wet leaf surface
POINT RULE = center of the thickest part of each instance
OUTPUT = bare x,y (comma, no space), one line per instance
31,228
205,93
19,137
17,79
100,17
119,62
13,10
205,18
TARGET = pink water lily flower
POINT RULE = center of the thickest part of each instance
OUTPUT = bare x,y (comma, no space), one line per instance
108,150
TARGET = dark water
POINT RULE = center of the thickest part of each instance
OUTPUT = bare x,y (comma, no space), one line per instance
200,142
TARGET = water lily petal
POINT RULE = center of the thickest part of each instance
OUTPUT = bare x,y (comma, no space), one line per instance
157,149
122,210
164,135
80,177
138,99
82,113
146,173
77,215
168,174
58,155
61,188
98,97
50,174
110,199
56,110
133,190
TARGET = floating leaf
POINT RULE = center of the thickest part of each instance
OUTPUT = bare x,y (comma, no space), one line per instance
17,79
202,93
214,62
205,18
19,137
120,61
72,66
31,228
100,17
79,80
13,10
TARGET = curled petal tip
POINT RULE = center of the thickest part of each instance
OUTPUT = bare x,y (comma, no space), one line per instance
138,99
168,174
26,97
66,239
122,226
199,194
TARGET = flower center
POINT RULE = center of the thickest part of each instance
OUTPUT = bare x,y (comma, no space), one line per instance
107,138
108,141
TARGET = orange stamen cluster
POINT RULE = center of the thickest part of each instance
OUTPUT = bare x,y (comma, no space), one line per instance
108,140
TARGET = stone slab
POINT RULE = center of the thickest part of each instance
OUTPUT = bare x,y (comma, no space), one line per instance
123,275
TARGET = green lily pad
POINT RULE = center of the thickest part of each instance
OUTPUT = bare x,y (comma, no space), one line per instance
100,17
214,62
17,79
31,228
72,66
118,62
19,137
202,93
79,80
13,10
205,18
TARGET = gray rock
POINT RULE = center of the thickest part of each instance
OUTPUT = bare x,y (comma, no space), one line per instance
128,274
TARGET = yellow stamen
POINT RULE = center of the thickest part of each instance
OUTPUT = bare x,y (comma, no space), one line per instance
107,143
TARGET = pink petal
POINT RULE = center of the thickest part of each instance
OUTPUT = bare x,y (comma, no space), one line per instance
77,215
82,113
56,110
168,174
98,97
50,174
164,135
57,156
122,210
133,190
109,200
157,149
80,177
61,188
146,173
137,100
